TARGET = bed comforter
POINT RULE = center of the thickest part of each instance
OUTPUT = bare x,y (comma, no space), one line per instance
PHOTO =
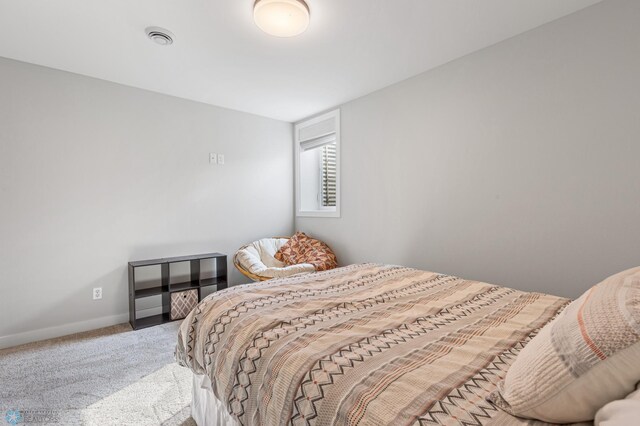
362,345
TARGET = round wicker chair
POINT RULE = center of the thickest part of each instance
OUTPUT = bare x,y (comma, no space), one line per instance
255,260
246,273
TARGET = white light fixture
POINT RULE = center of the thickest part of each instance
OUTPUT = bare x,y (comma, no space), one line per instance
281,18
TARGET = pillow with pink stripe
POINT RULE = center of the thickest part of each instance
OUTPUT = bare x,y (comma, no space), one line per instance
585,358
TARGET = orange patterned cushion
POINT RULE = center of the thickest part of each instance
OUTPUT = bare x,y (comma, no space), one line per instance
302,249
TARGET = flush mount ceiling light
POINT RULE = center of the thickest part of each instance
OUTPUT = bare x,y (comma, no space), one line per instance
160,35
281,18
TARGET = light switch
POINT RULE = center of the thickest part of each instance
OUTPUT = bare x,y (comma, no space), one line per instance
220,159
213,158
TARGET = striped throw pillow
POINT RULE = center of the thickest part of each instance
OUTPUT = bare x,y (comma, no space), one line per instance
585,358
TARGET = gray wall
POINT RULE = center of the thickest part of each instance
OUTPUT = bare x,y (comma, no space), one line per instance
518,165
94,174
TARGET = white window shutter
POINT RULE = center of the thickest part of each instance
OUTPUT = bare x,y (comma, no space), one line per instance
329,175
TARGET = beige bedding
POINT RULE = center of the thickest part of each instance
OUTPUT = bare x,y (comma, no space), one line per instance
361,345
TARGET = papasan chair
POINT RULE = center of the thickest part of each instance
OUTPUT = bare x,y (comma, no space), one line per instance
256,260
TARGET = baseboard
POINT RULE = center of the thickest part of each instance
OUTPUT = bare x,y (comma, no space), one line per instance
61,330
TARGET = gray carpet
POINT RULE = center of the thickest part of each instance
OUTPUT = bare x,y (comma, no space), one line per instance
111,376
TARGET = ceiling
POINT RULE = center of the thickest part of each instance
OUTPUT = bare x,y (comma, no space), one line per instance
352,47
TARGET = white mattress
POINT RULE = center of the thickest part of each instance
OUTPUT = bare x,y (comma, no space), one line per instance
206,409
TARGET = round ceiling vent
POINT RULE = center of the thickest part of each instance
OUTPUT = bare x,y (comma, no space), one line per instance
160,35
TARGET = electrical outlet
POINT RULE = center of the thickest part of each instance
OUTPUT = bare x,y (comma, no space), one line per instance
97,293
221,159
213,158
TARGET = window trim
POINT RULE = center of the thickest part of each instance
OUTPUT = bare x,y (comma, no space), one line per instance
327,211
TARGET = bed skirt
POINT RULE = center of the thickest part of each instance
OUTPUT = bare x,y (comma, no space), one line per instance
206,409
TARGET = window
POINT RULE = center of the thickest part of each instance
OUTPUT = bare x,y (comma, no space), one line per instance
317,146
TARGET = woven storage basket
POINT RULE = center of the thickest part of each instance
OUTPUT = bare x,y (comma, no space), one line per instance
182,302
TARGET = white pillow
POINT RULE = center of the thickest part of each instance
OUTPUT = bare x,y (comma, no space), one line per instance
622,412
588,356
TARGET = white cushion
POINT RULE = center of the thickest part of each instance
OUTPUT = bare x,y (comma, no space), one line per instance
621,412
585,358
258,258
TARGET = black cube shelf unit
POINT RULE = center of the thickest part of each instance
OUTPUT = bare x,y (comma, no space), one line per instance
165,286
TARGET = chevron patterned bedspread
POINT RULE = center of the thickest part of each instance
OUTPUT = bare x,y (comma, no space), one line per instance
362,345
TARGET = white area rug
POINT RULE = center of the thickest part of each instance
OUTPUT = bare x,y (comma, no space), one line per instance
112,376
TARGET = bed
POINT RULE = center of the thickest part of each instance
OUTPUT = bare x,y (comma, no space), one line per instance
364,344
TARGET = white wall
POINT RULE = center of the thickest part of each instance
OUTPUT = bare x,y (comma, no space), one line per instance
518,165
94,174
